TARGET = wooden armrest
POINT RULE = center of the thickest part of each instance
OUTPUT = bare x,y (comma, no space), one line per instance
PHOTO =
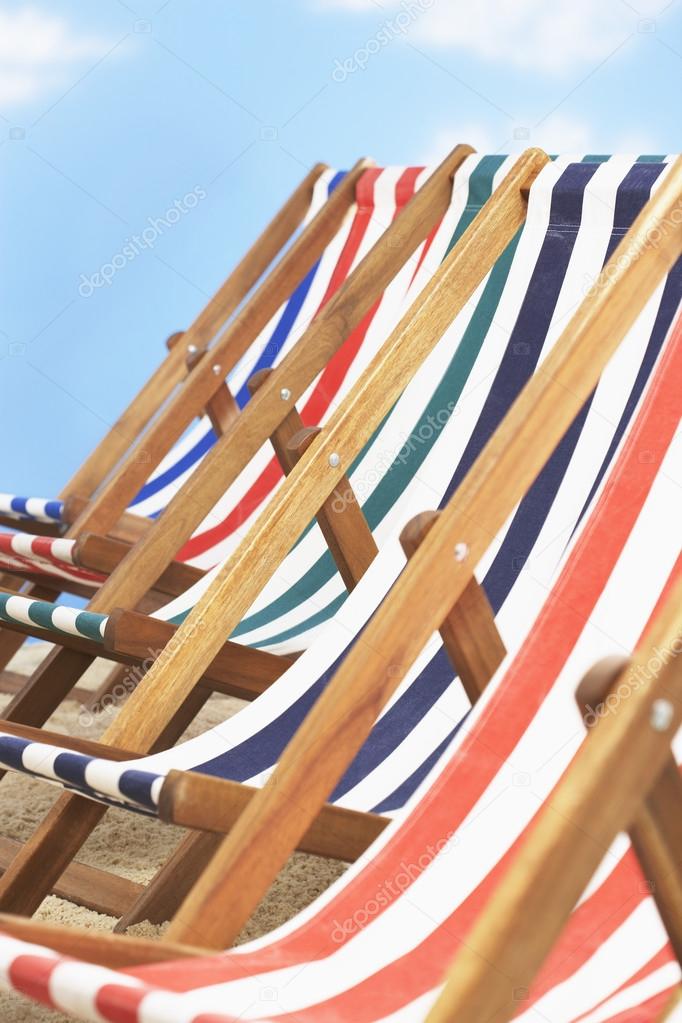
196,800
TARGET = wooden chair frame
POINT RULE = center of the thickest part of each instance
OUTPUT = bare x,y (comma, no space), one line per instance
311,480
151,556
444,552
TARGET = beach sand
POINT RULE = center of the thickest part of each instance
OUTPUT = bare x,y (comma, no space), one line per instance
128,844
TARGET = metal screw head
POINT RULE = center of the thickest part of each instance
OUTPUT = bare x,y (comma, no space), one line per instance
334,460
285,394
217,370
461,551
661,716
192,349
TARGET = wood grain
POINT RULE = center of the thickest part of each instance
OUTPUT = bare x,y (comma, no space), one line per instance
341,720
468,631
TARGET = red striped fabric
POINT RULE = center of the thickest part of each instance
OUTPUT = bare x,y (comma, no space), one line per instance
332,376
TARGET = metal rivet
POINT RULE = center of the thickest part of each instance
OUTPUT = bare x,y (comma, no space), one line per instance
285,394
334,460
192,349
217,370
661,716
461,551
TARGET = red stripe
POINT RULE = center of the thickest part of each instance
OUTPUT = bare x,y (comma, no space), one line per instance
30,975
662,958
120,1004
332,377
476,763
648,1012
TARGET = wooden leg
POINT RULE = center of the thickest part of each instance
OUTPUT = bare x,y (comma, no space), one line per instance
49,684
166,891
341,521
95,889
656,836
37,867
469,632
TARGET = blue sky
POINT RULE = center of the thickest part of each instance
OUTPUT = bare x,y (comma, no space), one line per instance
112,112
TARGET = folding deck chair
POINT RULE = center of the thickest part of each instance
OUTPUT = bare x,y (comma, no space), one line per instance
511,816
134,636
356,305
540,247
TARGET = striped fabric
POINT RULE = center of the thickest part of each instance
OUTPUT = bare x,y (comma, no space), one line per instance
381,194
376,945
247,747
577,214
38,509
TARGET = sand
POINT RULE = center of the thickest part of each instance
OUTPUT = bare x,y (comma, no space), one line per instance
131,845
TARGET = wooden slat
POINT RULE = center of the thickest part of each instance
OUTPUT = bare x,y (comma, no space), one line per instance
221,408
286,429
468,631
12,682
195,800
31,526
86,886
341,521
656,836
113,950
159,900
656,831
342,718
247,668
104,554
598,796
89,747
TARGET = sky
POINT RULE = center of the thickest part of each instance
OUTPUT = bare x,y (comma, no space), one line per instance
114,113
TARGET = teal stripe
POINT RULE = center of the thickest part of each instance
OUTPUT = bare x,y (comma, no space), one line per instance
40,612
442,401
90,625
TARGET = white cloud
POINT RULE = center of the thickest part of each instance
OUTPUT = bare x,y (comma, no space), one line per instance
37,50
559,133
553,36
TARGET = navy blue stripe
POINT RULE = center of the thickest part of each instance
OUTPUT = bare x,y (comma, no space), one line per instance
54,509
672,294
408,787
11,751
